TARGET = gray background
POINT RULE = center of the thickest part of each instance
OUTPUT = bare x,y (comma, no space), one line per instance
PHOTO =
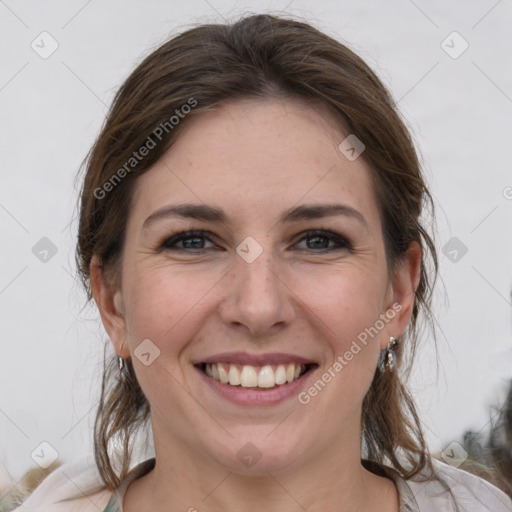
459,110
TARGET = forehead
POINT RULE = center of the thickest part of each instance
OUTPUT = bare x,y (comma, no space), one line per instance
255,157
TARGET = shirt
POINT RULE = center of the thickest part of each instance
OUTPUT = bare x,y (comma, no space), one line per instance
452,490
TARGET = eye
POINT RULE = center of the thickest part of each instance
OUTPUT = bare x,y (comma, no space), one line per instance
319,241
316,240
192,240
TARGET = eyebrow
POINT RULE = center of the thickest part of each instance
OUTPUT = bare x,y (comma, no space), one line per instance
214,214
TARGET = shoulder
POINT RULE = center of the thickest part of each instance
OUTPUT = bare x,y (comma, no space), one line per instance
71,481
453,489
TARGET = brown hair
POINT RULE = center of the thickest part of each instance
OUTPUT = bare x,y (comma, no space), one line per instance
259,56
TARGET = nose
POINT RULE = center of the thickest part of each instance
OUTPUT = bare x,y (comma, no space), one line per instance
257,298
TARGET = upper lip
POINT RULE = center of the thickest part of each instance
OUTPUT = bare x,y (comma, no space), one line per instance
254,359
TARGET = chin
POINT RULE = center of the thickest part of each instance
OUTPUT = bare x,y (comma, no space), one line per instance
259,453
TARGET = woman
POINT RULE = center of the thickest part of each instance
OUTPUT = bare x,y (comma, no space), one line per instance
250,232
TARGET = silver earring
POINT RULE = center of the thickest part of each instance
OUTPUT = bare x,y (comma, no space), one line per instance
120,360
387,358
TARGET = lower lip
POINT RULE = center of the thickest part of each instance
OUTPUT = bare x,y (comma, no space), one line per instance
246,396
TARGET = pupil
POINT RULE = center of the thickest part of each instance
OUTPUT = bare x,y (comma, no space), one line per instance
193,245
316,238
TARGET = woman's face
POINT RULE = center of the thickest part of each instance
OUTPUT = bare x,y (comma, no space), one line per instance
267,281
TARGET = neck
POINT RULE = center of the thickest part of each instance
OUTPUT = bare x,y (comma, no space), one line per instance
328,479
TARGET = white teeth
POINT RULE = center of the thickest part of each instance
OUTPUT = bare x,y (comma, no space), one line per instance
280,375
266,377
234,376
290,372
223,374
251,376
248,377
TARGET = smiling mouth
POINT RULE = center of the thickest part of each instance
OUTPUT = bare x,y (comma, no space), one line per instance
255,377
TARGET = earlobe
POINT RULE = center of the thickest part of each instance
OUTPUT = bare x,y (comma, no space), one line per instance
404,284
110,305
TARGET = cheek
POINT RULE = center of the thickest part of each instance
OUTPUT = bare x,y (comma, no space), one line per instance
161,305
348,304
348,309
347,299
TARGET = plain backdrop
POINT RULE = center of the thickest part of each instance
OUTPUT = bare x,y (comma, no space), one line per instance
454,91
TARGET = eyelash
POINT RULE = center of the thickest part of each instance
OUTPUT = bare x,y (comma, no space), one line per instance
169,243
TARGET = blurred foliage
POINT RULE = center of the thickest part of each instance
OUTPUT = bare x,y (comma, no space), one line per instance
490,456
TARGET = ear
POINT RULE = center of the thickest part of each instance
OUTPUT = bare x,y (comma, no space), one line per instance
110,305
402,289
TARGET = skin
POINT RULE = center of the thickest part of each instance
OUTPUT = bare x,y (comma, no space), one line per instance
255,159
